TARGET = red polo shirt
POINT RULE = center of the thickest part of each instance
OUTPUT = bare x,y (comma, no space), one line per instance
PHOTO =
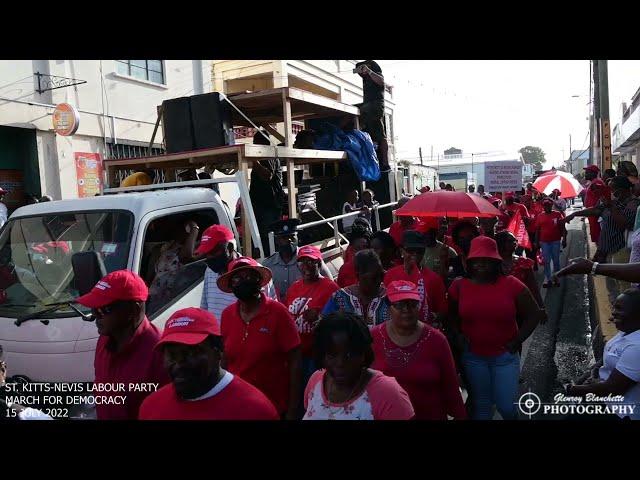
551,226
431,288
136,363
231,399
258,351
304,296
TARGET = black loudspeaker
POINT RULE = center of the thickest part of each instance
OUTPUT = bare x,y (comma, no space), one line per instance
176,121
211,119
199,121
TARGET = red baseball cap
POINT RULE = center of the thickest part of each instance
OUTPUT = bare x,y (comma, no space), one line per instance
239,263
190,326
116,286
212,236
592,168
309,251
402,290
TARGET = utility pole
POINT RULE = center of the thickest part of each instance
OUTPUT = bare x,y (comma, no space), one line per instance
420,152
605,128
595,123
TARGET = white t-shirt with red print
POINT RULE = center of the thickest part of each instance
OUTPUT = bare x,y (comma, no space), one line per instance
382,399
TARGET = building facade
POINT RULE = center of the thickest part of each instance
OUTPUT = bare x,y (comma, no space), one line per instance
625,138
117,104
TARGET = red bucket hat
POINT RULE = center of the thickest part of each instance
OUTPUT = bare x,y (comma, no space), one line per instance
309,251
189,326
121,285
484,247
592,168
240,263
212,236
402,290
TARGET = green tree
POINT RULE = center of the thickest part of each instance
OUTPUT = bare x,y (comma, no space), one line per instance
533,155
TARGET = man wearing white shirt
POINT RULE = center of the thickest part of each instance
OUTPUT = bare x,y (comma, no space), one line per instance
218,244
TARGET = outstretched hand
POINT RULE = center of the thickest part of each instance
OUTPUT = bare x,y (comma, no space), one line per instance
577,266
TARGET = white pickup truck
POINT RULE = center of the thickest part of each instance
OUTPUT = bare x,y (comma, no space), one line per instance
44,337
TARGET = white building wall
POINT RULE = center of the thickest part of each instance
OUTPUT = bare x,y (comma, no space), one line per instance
111,105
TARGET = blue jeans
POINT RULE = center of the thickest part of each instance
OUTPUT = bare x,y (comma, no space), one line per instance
550,251
493,380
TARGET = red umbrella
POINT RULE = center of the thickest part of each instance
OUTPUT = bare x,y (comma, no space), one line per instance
443,203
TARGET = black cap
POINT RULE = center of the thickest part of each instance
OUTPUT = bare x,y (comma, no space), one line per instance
285,227
413,239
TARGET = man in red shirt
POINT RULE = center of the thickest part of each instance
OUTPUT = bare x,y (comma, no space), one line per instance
550,229
261,342
125,358
433,306
200,389
595,190
305,300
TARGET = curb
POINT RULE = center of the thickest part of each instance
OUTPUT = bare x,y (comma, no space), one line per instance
602,293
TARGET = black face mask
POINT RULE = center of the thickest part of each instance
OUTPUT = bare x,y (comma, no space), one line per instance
218,264
246,290
288,250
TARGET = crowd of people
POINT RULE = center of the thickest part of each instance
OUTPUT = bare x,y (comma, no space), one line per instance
417,317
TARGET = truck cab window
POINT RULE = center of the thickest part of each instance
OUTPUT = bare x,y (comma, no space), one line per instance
169,265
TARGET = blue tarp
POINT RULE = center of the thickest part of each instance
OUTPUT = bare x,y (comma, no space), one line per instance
358,146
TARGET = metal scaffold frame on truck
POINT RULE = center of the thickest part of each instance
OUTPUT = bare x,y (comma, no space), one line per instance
258,109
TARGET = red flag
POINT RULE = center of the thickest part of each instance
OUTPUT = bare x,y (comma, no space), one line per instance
519,230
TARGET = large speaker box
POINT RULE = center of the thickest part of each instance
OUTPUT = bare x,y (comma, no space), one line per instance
176,122
196,122
211,119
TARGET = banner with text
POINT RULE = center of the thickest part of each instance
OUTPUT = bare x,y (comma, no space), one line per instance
503,176
89,173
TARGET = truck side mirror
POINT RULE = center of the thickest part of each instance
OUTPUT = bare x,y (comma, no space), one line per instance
88,269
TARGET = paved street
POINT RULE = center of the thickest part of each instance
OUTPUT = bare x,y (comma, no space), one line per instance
561,349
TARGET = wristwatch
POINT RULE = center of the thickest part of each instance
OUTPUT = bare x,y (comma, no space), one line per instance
594,268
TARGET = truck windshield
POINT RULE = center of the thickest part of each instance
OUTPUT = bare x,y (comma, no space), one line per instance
35,257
